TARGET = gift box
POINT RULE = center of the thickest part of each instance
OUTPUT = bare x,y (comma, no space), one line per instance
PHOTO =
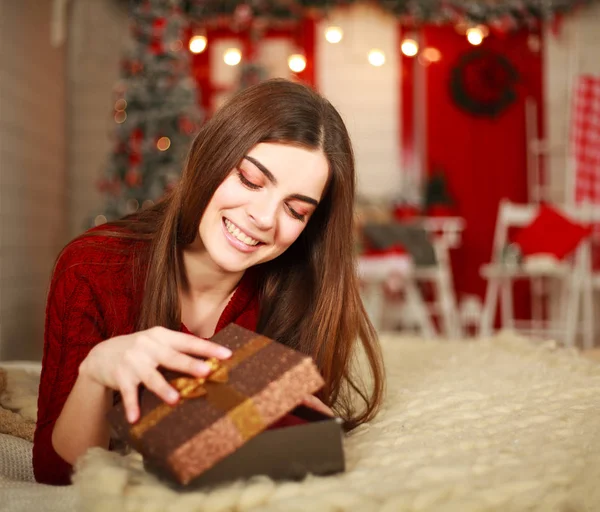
309,443
215,416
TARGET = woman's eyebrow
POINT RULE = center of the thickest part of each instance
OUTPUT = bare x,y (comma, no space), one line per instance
262,169
272,179
306,199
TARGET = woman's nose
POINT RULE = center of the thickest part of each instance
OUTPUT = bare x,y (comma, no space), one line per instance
262,215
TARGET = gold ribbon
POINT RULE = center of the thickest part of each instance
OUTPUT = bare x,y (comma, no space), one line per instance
239,408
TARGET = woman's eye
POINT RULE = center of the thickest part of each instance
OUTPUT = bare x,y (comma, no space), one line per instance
246,182
295,214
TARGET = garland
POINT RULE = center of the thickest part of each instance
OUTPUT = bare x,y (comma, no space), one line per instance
503,15
482,83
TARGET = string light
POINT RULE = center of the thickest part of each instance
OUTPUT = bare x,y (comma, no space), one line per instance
198,44
409,47
431,54
232,57
120,104
376,58
475,36
99,220
132,205
120,116
333,34
147,203
163,143
297,63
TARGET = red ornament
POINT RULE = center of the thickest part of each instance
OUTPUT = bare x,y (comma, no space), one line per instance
185,125
136,67
134,159
135,140
133,177
158,25
156,47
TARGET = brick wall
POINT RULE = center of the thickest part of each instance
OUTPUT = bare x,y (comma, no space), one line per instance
98,33
32,171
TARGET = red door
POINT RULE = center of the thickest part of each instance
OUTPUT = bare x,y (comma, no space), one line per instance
484,158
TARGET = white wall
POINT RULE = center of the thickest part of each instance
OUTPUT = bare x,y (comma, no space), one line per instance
32,171
576,50
366,96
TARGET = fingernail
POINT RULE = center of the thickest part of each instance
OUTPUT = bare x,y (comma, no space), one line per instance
173,396
131,417
224,352
202,368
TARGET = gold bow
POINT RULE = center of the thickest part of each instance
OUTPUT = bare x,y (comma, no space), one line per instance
193,387
241,409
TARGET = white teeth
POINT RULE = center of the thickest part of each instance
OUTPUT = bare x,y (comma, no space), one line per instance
235,231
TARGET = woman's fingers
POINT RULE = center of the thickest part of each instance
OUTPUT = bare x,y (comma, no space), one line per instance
162,347
156,383
174,360
129,393
144,366
190,344
314,403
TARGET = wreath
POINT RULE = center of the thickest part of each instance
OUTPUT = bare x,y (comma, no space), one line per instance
482,83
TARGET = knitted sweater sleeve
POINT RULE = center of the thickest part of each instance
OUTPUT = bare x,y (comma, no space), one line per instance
73,327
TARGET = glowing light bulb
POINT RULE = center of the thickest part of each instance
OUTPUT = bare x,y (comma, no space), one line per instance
120,116
198,44
376,58
333,34
232,57
297,63
431,54
409,47
475,36
163,143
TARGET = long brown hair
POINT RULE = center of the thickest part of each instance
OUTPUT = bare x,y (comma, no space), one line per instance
309,296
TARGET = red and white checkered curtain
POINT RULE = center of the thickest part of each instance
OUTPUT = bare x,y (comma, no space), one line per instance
585,139
585,148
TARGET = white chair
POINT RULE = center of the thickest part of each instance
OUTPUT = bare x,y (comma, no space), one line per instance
375,272
445,234
559,285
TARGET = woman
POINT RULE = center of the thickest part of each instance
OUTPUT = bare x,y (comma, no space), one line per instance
257,232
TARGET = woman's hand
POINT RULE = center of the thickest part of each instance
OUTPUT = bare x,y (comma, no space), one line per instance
314,403
123,362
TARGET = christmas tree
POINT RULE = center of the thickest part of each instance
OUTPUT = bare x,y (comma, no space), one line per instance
156,109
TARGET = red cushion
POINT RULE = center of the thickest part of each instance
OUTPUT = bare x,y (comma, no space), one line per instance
394,250
551,233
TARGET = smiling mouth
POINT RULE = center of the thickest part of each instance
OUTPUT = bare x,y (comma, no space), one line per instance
239,234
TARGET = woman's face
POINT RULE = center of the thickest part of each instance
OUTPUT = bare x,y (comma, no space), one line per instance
263,205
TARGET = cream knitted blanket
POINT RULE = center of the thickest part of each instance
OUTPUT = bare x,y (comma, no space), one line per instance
497,425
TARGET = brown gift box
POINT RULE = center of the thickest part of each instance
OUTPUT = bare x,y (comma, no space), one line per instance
244,395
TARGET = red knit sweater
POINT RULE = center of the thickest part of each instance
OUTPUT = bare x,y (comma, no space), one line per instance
94,295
